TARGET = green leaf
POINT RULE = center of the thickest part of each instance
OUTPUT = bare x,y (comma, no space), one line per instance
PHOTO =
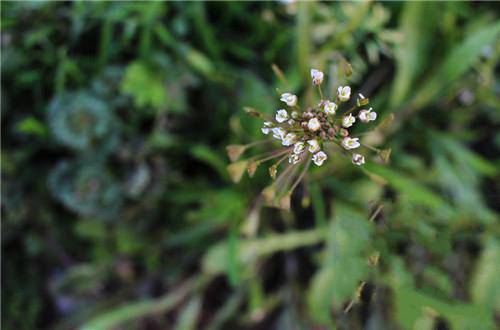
210,157
417,23
232,248
199,62
458,172
344,266
216,259
485,288
318,204
134,310
303,37
31,125
147,87
227,311
411,305
189,315
409,188
458,61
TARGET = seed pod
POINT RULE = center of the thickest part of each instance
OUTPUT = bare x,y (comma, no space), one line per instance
343,132
252,112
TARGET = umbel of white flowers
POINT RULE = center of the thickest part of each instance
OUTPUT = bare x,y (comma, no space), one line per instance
317,126
306,134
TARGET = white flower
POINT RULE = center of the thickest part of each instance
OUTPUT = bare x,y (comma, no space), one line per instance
291,122
330,107
348,121
367,115
350,143
281,115
317,76
313,146
289,139
298,147
266,129
313,124
278,133
358,159
289,99
295,114
293,159
319,158
344,93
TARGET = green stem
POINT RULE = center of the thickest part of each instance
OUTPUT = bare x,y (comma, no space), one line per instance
320,92
306,167
274,155
370,147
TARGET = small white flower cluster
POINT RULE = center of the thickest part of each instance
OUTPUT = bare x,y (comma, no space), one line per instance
279,132
305,133
313,127
299,149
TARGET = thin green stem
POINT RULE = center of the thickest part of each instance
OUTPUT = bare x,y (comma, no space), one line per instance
301,176
274,155
280,160
370,147
377,211
320,92
349,111
249,145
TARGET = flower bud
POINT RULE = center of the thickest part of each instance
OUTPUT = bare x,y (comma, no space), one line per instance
331,133
307,115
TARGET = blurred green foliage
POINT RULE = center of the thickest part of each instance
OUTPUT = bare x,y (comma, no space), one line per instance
117,209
